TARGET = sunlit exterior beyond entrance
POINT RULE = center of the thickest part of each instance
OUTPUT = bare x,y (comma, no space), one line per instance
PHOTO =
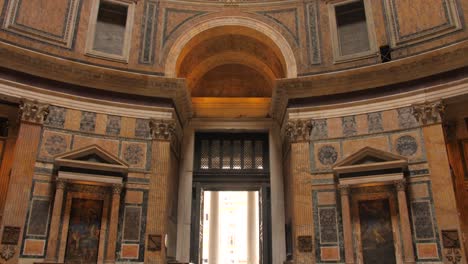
231,219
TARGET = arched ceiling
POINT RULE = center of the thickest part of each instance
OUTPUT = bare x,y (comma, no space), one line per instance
240,61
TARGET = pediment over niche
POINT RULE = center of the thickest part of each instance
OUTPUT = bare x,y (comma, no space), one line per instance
370,164
91,164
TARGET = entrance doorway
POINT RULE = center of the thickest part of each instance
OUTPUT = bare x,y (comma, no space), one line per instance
231,203
231,227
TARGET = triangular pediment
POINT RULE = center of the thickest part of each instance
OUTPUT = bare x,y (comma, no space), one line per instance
92,157
368,158
369,155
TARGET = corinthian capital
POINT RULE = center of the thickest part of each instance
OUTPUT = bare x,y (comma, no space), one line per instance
298,130
33,111
429,113
162,129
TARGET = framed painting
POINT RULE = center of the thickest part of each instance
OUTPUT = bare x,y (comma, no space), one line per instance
375,222
84,231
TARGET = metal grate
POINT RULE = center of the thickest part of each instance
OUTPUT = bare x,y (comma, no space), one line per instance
233,152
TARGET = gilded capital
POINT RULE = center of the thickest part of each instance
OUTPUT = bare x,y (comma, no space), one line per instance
33,111
429,113
298,130
162,129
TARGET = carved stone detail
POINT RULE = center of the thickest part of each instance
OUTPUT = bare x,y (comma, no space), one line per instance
299,130
429,113
344,190
33,111
61,184
400,185
162,130
8,251
116,189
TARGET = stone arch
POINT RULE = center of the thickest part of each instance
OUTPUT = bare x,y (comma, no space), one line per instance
262,28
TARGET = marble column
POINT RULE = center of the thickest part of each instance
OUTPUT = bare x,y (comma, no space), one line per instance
347,225
113,224
52,246
185,195
213,255
408,250
252,229
32,115
278,221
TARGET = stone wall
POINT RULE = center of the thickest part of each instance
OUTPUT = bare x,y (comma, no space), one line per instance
313,198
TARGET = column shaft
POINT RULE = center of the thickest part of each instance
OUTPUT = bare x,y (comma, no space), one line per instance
51,255
113,224
347,226
252,229
408,250
213,250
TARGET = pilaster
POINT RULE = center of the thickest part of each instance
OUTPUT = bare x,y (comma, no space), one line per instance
32,116
430,116
163,133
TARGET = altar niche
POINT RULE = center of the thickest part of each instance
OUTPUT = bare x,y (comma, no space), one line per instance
88,188
376,226
237,162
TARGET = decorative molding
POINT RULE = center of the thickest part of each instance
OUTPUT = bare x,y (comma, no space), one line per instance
429,113
298,130
33,111
65,39
452,23
149,30
293,31
313,33
162,129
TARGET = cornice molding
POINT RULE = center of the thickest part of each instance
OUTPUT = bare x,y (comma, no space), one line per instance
358,79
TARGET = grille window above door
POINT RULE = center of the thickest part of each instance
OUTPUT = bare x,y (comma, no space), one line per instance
231,152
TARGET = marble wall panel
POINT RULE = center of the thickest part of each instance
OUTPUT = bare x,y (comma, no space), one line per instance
54,143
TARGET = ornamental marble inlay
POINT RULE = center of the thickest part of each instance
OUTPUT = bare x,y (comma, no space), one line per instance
328,225
422,218
319,129
55,144
327,155
88,122
56,117
133,154
142,128
406,118
374,121
304,243
113,125
406,146
11,235
349,126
